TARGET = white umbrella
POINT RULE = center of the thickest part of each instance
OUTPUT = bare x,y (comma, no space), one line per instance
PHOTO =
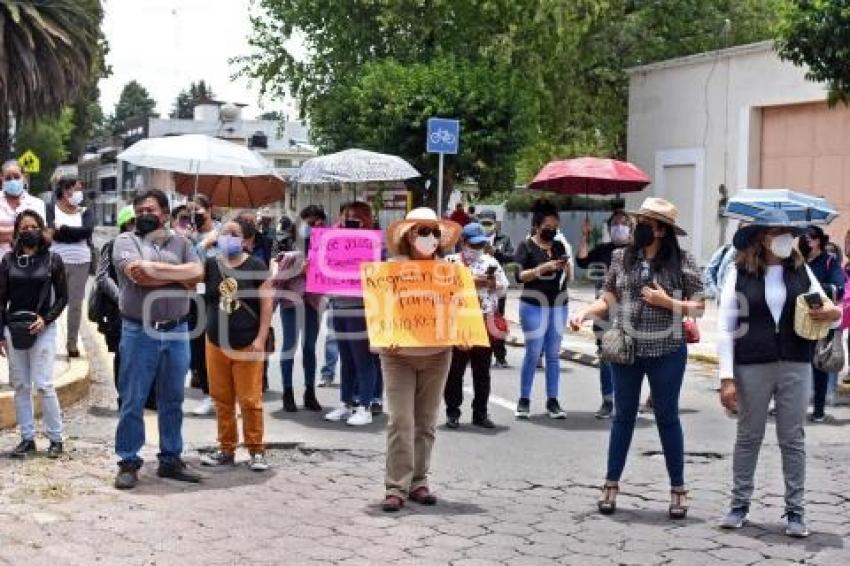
355,166
196,154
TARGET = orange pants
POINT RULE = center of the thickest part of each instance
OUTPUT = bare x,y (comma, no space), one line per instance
233,380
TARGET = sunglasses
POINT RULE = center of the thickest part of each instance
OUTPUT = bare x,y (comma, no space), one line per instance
425,231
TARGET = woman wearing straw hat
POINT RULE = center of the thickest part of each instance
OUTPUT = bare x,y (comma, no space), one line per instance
414,377
651,285
762,357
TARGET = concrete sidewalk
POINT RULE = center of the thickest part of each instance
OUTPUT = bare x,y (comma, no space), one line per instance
581,346
71,378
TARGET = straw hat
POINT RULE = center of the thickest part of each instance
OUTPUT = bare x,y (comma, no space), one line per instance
663,211
397,231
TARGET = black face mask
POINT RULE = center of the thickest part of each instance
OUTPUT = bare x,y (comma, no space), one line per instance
30,238
644,235
805,247
548,234
146,223
352,223
199,220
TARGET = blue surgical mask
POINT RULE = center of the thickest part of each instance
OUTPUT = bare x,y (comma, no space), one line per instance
229,245
13,187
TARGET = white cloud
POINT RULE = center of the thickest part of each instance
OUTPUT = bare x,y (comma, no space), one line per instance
166,44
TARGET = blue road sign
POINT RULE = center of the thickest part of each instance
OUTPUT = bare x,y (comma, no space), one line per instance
443,135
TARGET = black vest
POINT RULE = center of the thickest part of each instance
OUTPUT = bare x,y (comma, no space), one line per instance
764,341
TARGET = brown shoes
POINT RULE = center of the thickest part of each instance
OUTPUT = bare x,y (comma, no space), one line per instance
423,496
392,503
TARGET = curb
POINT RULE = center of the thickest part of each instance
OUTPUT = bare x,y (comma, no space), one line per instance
71,386
592,360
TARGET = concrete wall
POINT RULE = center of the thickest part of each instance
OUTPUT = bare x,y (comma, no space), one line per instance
694,124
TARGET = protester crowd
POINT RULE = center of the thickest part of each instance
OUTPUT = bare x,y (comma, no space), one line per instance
181,292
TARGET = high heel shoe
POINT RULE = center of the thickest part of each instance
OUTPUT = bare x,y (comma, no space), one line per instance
678,503
607,503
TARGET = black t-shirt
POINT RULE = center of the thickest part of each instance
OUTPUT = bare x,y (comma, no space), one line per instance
599,256
545,290
233,301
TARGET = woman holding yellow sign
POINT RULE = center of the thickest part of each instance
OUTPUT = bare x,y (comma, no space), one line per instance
414,377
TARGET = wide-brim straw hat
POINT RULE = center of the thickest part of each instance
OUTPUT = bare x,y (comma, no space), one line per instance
769,218
661,210
449,231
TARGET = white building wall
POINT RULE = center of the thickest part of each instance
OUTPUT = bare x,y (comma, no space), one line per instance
699,118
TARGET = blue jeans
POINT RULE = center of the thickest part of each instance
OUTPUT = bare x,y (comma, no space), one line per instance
665,374
145,359
292,325
331,352
606,380
543,328
358,365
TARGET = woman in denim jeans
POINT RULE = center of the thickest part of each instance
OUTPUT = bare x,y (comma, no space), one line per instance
651,285
543,270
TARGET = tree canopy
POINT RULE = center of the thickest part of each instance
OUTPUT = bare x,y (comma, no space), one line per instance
184,106
134,103
48,51
567,57
816,33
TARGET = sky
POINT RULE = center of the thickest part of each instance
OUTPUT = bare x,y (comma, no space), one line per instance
166,44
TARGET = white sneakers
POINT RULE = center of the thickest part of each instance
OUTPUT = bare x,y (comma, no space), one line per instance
361,416
204,408
341,413
354,416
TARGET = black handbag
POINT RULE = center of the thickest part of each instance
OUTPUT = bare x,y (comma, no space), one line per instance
19,322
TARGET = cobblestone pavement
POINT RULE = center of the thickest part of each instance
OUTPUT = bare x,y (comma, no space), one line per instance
320,506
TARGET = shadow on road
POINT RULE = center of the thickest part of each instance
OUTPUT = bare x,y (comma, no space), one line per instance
443,507
315,419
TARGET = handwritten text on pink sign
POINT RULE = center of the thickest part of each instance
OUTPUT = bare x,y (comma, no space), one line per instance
335,258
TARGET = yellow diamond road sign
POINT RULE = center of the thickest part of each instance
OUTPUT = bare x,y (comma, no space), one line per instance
30,161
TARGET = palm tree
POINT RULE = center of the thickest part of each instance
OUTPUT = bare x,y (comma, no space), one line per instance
48,50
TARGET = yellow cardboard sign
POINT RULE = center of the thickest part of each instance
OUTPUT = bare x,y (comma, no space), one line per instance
421,304
30,162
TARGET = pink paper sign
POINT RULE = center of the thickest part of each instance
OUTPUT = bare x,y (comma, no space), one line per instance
335,257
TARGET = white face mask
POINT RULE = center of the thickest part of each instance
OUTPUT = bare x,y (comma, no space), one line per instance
426,245
782,245
620,233
471,256
76,198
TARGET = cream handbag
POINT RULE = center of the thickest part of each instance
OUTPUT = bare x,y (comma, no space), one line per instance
804,326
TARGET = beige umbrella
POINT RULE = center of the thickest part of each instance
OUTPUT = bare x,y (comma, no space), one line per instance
233,192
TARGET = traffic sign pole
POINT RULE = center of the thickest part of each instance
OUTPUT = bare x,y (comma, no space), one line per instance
440,187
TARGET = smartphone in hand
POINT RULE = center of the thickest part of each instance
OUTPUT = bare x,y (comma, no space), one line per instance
814,300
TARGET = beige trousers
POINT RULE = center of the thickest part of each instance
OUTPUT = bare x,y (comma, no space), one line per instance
414,387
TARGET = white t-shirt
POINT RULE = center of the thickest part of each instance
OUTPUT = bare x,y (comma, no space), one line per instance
8,214
74,253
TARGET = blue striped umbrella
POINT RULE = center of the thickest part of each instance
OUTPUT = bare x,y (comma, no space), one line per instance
802,209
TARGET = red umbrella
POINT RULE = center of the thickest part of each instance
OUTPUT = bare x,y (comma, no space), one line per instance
590,176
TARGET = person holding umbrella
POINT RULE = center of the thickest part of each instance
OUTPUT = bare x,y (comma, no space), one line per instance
762,357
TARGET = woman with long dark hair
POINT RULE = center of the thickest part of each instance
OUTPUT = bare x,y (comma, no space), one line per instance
33,293
543,310
651,285
763,358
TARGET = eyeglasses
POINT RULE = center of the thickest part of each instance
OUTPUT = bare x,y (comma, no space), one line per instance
425,231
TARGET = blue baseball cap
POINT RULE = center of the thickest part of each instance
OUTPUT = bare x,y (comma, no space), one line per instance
474,234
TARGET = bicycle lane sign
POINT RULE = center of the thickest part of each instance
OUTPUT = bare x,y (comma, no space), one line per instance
443,135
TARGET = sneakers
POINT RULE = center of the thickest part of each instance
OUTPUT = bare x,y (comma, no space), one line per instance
359,416
376,408
258,462
289,400
204,408
523,409
217,458
310,401
54,450
341,413
501,364
326,380
606,410
23,449
734,519
452,422
128,475
817,418
483,422
554,409
178,470
795,526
